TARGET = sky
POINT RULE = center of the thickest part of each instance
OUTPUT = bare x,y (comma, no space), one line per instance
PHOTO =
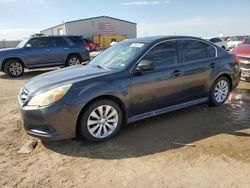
202,18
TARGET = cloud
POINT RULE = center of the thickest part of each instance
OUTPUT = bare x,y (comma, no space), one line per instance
17,33
144,2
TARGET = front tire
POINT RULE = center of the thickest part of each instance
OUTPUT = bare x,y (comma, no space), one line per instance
101,121
220,91
13,68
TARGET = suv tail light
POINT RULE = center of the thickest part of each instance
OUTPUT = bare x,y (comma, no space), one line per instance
87,47
237,59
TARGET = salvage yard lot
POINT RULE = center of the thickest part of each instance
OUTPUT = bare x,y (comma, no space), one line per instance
149,153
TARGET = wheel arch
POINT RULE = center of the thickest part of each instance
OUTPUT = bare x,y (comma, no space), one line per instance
113,98
12,58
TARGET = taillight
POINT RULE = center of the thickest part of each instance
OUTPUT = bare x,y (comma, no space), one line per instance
86,47
237,59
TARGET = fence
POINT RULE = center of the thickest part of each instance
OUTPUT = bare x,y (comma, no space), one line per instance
8,44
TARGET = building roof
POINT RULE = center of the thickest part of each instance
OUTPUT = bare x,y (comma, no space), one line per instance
90,19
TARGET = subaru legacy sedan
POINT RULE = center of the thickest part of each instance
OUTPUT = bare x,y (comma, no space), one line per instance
132,80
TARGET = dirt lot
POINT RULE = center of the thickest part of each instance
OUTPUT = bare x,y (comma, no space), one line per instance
145,154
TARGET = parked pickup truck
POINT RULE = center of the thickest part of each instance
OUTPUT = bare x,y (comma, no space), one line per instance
40,52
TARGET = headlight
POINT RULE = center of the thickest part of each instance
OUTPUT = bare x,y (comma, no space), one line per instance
49,97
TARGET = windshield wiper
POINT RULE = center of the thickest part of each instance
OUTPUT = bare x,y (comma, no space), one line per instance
102,67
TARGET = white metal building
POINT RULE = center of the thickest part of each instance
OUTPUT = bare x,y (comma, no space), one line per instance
102,25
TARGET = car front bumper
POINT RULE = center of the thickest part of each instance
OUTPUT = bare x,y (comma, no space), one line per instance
55,122
245,74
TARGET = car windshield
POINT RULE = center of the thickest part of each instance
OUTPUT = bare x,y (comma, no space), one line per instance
22,43
119,56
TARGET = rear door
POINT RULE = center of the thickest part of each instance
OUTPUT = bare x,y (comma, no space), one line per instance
199,60
58,50
161,87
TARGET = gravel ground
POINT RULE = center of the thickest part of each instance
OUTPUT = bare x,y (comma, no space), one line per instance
199,146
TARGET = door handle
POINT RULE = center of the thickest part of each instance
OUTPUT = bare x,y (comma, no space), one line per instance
177,73
212,65
48,50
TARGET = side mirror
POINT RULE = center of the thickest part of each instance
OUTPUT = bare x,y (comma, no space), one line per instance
145,65
28,46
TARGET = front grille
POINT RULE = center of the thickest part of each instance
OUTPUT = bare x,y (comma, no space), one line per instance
244,62
245,66
244,58
23,95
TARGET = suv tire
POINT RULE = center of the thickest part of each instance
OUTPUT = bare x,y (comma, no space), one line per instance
13,68
73,60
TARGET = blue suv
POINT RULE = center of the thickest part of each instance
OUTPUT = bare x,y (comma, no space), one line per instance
40,52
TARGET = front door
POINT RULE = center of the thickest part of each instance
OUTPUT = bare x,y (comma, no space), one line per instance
38,55
161,87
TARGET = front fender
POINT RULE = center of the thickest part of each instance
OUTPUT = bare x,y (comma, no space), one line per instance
22,58
82,95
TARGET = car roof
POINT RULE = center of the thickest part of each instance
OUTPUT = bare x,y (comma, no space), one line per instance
152,39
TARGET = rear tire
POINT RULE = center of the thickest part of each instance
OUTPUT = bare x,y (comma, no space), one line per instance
73,60
220,91
101,121
13,68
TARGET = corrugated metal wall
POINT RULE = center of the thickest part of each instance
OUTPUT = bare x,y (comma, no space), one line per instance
55,30
101,26
96,26
105,40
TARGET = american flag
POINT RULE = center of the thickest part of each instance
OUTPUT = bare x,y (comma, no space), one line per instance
106,28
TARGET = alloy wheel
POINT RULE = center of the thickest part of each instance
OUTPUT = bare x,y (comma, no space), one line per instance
16,69
74,61
102,121
221,91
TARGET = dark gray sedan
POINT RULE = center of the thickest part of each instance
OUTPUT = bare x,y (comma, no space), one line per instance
132,80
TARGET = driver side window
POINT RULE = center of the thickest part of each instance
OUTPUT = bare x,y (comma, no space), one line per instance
39,43
164,54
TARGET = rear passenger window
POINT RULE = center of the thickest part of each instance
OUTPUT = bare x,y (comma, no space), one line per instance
57,42
196,50
163,54
210,51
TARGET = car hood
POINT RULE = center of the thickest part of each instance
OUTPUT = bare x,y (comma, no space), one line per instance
243,49
63,76
9,50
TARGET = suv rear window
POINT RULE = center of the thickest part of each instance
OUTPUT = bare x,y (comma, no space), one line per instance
196,50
